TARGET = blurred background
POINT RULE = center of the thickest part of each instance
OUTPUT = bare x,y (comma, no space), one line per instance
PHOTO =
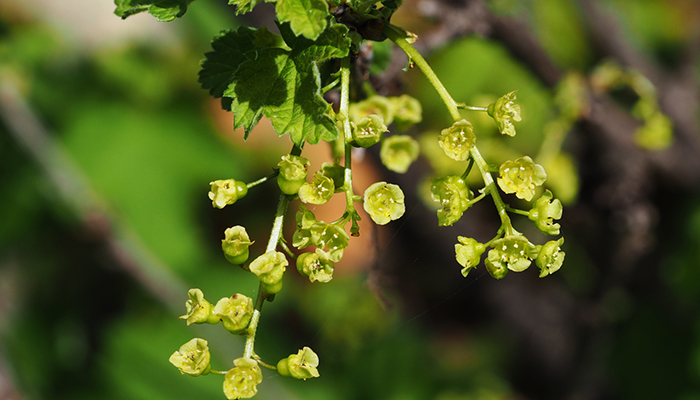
107,145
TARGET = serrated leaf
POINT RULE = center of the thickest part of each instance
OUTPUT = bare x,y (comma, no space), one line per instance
219,66
258,74
163,10
286,92
244,6
306,17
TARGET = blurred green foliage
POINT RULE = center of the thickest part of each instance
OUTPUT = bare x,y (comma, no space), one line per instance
132,119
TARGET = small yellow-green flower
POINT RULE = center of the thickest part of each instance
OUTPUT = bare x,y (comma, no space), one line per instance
521,177
504,111
199,310
226,191
234,312
384,202
193,358
240,382
468,253
235,244
457,140
302,365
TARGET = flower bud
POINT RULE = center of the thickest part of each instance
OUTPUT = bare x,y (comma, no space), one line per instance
234,312
384,202
457,140
192,358
468,253
300,366
550,258
199,310
521,177
544,212
399,152
225,192
504,111
368,131
292,173
319,191
240,381
316,266
235,244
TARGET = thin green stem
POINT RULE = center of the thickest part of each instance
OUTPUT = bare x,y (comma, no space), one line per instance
472,108
216,372
347,133
397,36
261,180
490,188
469,168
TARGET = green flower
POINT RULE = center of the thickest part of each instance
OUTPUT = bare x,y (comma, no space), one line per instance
544,212
399,152
192,358
468,253
305,220
377,105
234,312
225,192
330,237
199,310
368,131
270,268
551,257
407,111
300,366
384,202
521,177
240,381
292,173
235,244
504,111
514,252
317,266
457,140
453,195
319,191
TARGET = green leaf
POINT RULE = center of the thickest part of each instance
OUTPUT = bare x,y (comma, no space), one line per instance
258,75
244,6
306,17
164,10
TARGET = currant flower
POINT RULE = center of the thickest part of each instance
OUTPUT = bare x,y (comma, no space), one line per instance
305,220
504,111
235,244
270,268
513,252
544,212
319,191
199,310
468,253
457,140
330,237
234,312
521,177
316,266
302,365
368,131
407,111
292,173
240,382
384,202
550,258
399,152
377,105
227,191
193,358
453,195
